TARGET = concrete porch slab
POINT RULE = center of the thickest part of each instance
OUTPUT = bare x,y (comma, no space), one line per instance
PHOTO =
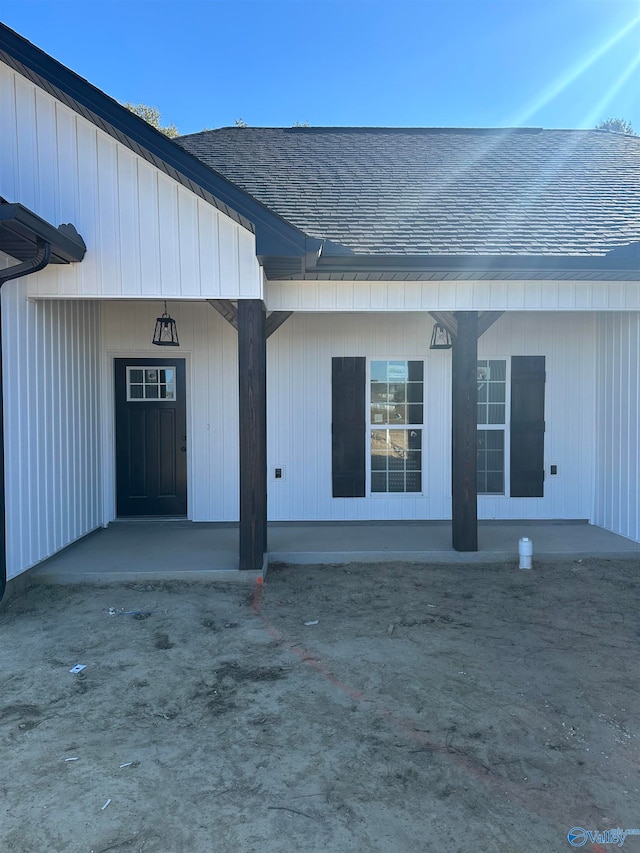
163,550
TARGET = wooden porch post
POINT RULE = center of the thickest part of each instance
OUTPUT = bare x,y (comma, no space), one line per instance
464,461
252,365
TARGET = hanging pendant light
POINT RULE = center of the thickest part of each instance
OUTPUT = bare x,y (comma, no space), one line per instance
440,338
166,333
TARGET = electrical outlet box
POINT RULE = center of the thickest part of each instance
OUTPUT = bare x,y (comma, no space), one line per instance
554,469
278,473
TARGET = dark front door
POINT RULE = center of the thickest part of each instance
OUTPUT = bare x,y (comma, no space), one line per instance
151,437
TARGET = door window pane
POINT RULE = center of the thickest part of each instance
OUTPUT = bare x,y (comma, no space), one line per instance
150,383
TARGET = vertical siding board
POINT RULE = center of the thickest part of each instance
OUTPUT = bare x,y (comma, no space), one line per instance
8,137
46,156
64,390
148,229
11,391
189,273
599,510
128,224
634,428
208,260
199,418
77,418
66,167
37,409
107,173
26,125
227,381
168,230
45,434
249,282
88,215
617,500
228,254
94,345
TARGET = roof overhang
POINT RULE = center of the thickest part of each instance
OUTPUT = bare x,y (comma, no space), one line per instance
620,264
21,232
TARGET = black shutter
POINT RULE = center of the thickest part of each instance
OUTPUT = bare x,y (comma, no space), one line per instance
348,426
527,426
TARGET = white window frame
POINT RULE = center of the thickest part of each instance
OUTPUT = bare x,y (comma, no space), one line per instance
505,427
370,426
157,399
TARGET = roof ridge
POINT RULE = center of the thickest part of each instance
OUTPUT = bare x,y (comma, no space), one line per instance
346,129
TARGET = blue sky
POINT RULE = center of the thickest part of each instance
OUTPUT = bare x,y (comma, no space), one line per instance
474,63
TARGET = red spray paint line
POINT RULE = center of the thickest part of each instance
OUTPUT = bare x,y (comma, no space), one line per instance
471,766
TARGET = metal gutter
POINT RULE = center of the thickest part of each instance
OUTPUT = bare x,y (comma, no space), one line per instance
21,230
619,259
620,264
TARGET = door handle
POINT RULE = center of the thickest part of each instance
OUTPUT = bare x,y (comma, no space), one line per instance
183,448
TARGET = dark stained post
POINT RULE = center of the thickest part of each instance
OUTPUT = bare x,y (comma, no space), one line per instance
252,365
464,460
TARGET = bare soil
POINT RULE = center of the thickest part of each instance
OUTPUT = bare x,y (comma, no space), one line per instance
430,708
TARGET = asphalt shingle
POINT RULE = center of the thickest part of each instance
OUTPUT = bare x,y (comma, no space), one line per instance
434,191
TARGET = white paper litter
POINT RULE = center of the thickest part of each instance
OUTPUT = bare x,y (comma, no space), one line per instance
313,622
78,668
102,808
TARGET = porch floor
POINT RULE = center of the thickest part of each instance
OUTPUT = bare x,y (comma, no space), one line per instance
146,550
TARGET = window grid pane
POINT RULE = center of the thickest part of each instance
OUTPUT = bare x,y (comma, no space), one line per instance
490,461
396,398
150,383
396,389
396,460
492,389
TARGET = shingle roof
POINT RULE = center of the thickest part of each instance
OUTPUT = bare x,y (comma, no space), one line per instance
435,191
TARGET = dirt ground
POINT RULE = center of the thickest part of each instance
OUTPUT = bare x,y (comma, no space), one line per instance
426,708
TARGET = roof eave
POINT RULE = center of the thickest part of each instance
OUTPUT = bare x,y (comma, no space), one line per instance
624,260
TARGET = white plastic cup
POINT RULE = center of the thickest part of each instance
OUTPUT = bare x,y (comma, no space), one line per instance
525,552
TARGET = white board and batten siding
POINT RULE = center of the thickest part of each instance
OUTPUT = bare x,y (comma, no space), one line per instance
299,413
391,296
147,235
618,423
51,377
299,409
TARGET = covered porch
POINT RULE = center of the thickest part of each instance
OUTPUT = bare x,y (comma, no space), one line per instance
182,550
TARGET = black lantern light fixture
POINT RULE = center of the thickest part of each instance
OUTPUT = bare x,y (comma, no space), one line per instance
440,338
166,333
